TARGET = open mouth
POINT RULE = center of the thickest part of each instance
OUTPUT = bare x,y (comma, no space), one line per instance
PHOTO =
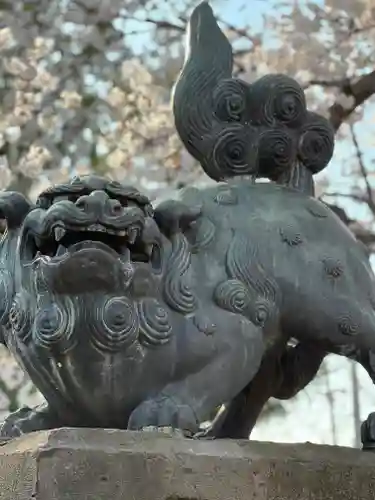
64,239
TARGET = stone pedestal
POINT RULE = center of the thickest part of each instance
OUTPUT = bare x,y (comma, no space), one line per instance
91,464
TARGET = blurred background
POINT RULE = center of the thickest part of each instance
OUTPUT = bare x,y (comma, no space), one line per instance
85,87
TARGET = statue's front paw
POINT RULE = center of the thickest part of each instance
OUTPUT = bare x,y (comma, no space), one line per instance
14,424
164,412
26,420
368,433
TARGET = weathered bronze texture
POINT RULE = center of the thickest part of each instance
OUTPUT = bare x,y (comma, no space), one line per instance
136,316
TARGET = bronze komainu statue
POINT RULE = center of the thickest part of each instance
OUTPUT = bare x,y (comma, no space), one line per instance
132,315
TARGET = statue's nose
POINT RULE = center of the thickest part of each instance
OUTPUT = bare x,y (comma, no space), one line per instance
99,203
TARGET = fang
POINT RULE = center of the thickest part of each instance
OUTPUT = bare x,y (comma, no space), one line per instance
132,235
148,249
59,233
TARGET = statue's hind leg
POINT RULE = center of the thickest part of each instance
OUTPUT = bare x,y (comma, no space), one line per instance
343,325
367,359
354,338
368,433
281,375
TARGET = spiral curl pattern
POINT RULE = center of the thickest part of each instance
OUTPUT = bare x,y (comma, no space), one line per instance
232,295
316,143
230,101
20,317
176,288
347,325
260,311
154,326
277,153
54,325
277,98
203,232
115,326
233,153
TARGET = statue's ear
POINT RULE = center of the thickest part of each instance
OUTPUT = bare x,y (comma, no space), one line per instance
174,216
14,207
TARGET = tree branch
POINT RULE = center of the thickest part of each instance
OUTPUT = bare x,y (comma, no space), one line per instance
369,198
329,83
364,236
182,28
360,90
357,30
351,196
163,24
241,32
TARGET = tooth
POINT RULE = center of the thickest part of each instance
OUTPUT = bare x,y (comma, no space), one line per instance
59,233
132,235
148,249
121,233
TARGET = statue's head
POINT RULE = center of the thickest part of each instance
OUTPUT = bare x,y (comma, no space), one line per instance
85,252
82,276
95,288
90,235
